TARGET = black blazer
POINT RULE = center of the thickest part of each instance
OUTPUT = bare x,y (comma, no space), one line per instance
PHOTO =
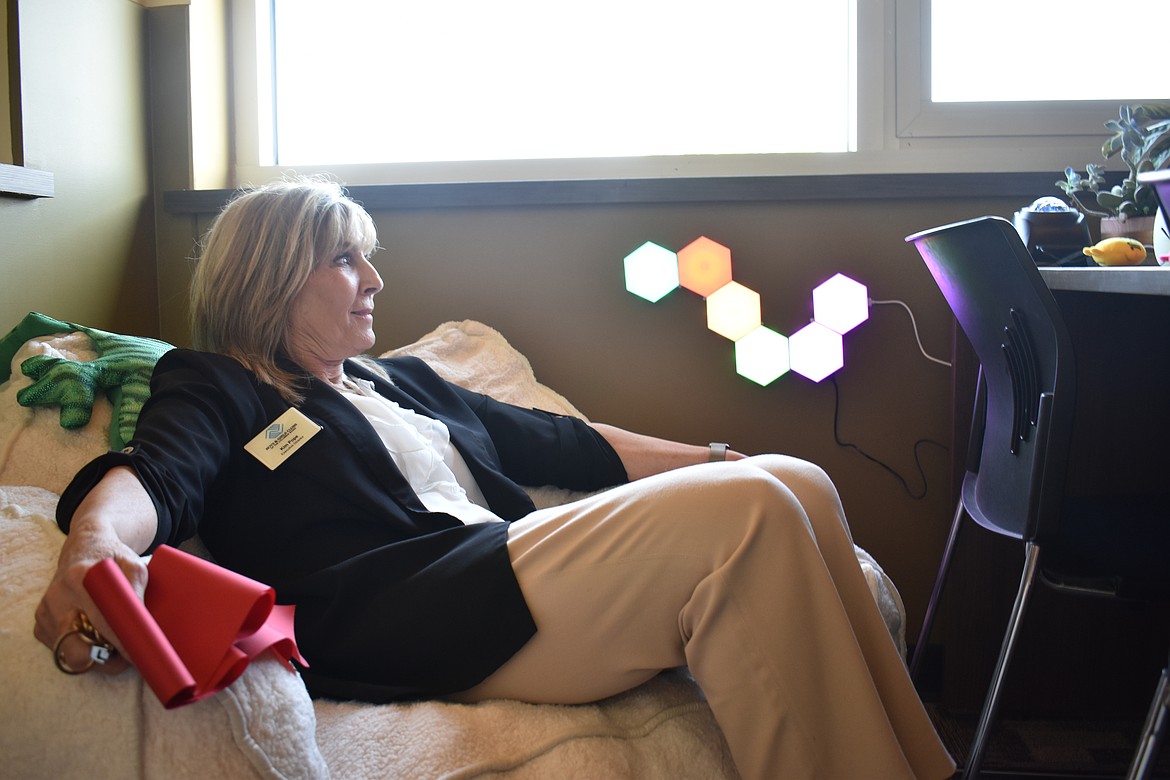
392,601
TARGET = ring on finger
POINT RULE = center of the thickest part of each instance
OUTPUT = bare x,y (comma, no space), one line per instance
100,650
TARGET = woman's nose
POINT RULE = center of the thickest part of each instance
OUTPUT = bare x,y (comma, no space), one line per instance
373,280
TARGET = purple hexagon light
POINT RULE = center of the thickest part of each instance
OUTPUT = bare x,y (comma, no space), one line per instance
840,304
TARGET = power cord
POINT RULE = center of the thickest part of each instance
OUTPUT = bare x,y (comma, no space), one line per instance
848,445
917,496
914,324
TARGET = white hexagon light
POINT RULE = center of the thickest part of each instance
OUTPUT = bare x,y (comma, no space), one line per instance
651,271
816,351
841,304
733,310
762,356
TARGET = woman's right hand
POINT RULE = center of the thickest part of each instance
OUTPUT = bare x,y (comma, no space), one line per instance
66,603
114,521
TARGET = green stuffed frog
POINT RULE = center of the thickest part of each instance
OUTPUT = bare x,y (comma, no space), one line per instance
122,369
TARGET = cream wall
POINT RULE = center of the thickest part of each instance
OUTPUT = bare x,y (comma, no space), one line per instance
87,253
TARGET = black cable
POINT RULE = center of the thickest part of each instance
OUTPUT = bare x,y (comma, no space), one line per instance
866,455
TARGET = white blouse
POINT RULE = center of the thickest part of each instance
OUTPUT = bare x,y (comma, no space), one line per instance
421,448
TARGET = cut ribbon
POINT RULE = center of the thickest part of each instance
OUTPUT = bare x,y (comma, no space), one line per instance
199,626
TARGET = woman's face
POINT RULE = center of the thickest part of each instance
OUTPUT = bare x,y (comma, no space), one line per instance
332,317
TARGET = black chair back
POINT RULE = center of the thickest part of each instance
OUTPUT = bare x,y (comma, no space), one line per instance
1020,435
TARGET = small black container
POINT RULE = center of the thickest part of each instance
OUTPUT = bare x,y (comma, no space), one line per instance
1053,237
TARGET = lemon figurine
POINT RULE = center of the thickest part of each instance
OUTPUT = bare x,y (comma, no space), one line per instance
1117,251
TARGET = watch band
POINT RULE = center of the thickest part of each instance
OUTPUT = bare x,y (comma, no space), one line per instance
716,451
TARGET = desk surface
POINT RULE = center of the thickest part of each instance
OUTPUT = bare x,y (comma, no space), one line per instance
1139,280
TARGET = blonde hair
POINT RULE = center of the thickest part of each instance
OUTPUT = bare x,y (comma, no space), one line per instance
255,259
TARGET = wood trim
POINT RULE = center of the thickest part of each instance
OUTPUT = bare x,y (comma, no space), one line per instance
836,187
21,182
15,179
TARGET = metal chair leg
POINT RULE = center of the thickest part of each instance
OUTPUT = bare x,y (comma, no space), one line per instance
935,594
991,704
1152,731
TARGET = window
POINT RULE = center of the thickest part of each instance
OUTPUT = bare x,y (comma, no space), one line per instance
1007,50
530,79
458,90
1022,68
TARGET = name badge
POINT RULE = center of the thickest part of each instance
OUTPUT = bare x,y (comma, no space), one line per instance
283,437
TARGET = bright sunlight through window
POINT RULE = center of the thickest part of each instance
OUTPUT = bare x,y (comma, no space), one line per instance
377,81
1010,50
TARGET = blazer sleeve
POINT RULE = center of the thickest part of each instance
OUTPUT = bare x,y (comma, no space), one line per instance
530,446
541,448
186,434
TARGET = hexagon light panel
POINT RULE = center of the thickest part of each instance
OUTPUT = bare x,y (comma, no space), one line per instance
733,310
841,304
815,351
651,271
704,266
762,356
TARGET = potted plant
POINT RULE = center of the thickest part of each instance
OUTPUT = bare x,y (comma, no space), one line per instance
1141,135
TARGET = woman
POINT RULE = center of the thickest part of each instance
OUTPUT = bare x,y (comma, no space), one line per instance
417,564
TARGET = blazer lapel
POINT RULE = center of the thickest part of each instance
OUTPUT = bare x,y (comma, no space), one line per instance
471,450
351,431
504,496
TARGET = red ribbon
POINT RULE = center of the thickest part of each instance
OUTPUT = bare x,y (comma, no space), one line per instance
199,627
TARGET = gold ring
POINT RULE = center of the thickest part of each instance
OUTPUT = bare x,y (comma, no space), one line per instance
100,651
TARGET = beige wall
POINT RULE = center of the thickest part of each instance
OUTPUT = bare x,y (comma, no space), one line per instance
86,254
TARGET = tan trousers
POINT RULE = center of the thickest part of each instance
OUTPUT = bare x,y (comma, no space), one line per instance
746,573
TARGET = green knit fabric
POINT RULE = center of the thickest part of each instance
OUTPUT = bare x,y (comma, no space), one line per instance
122,370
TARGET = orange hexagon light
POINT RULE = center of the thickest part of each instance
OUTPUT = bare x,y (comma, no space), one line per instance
704,266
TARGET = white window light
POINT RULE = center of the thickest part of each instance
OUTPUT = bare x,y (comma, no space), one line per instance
988,74
1008,50
524,79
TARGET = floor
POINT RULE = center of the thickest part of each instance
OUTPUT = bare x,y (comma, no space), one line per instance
1080,749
